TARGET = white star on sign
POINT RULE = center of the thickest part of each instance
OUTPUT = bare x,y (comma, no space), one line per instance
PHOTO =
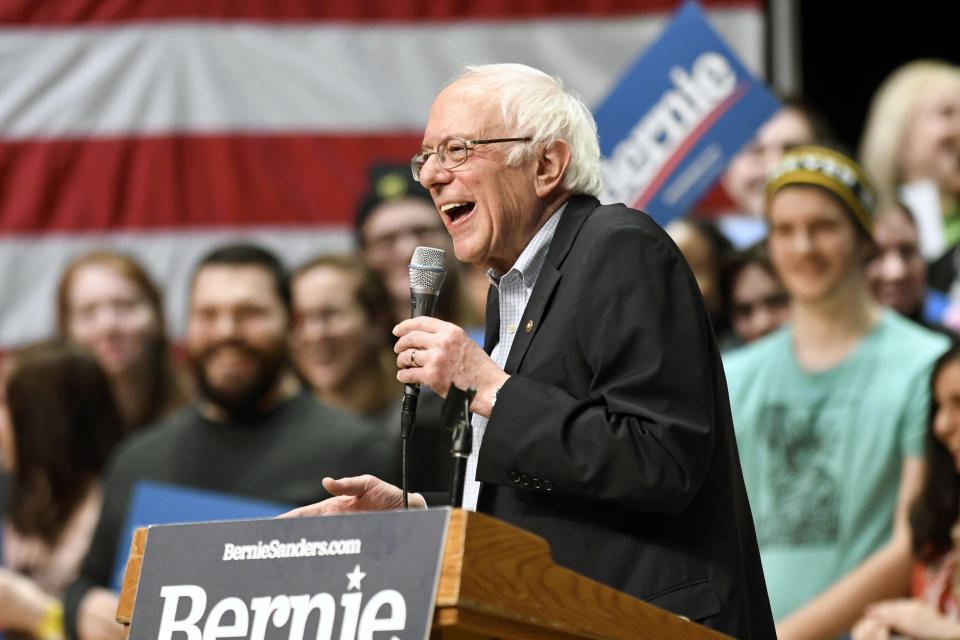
355,577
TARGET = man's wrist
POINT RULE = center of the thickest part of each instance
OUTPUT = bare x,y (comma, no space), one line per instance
493,399
485,398
494,396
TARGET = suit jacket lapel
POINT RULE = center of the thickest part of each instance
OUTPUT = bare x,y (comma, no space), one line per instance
546,282
492,320
572,218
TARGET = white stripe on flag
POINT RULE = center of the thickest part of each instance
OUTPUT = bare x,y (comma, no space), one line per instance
32,265
312,77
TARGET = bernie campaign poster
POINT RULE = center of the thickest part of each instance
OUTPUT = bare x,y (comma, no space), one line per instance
672,123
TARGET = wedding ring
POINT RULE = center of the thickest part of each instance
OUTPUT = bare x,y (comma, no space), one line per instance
413,358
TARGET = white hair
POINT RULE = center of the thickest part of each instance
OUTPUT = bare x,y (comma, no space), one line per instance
538,105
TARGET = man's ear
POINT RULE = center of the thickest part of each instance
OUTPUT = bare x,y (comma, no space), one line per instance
552,163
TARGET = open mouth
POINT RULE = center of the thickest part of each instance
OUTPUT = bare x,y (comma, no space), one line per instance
457,210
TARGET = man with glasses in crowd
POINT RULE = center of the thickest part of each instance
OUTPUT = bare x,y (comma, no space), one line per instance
394,217
601,419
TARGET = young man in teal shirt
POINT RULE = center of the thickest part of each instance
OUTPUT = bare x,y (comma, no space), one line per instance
830,411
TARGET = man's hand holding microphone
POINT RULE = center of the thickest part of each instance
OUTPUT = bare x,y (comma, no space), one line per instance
431,352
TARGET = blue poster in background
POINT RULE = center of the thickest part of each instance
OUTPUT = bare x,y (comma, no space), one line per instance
678,115
153,503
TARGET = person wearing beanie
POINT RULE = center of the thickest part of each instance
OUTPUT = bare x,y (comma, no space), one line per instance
394,217
830,409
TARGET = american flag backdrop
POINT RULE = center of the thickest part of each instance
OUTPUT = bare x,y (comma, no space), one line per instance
163,127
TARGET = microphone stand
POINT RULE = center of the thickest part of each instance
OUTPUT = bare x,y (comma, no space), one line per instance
456,417
408,413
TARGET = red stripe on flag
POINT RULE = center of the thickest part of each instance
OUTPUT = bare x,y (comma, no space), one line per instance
716,202
189,181
72,12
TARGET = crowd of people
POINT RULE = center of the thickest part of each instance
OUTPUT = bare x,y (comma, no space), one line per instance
832,289
289,376
844,438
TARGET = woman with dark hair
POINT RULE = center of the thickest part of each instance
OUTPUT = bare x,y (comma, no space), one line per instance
57,428
342,347
107,303
934,612
897,273
341,340
755,300
706,251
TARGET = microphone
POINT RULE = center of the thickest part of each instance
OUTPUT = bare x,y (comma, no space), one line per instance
428,269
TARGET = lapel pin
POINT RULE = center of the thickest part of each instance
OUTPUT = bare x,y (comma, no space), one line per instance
529,326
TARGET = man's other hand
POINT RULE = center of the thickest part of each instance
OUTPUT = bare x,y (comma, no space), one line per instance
438,354
359,493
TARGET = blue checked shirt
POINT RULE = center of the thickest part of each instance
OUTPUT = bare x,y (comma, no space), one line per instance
514,287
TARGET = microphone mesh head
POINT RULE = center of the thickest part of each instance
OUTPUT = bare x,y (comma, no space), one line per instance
428,268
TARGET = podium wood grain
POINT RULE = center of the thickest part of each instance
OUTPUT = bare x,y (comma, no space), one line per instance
499,582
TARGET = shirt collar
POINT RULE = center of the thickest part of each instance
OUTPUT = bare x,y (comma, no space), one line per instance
531,259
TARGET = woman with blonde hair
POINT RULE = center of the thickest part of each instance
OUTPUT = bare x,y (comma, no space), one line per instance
911,142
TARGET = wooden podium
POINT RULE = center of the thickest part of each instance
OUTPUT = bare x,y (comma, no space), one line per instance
499,582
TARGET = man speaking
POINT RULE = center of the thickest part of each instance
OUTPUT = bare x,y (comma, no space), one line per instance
601,415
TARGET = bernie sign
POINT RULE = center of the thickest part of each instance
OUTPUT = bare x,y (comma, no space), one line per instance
362,576
675,119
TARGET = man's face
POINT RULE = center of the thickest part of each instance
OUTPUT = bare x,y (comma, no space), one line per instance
392,232
813,243
236,336
490,210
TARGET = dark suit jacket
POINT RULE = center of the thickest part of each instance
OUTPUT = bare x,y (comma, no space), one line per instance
613,437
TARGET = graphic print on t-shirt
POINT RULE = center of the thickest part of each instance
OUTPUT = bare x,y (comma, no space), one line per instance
804,500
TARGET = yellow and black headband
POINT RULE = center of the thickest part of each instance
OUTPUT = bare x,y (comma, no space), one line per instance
830,170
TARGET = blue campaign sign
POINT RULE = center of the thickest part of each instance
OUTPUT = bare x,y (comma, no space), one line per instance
678,115
157,503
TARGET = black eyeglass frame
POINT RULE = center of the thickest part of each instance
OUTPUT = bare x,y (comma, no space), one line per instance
420,159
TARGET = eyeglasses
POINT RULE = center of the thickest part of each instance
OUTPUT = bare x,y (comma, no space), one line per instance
453,153
420,234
